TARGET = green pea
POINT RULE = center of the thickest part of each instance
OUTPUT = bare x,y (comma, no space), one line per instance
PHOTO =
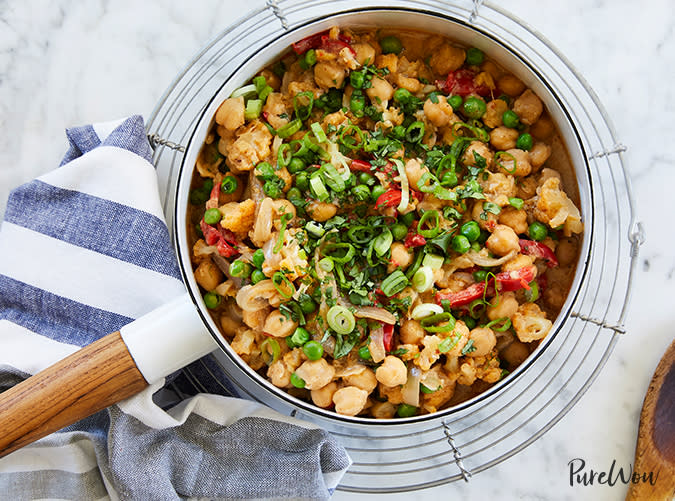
258,258
407,219
399,231
456,102
240,269
357,103
364,353
484,235
212,216
296,165
449,179
212,300
198,196
271,189
377,190
300,336
208,184
257,276
470,322
524,142
405,410
302,181
402,95
310,57
510,119
474,107
460,244
470,230
307,304
264,171
480,275
198,230
297,381
367,178
229,185
357,79
313,350
391,45
475,247
361,192
474,56
537,231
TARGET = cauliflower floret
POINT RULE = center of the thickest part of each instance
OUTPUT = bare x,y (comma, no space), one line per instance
329,74
498,188
277,110
477,148
446,59
230,113
244,342
530,323
439,113
442,392
251,146
316,373
493,113
555,208
238,217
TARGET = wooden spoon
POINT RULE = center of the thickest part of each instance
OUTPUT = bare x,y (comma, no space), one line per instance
655,450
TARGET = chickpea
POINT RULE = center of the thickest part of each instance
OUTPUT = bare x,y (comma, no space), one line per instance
566,252
279,374
542,128
411,332
510,85
515,353
365,53
323,397
481,149
229,325
255,319
383,410
440,113
493,113
514,218
528,107
278,325
414,170
483,340
392,372
380,91
349,401
329,74
230,114
400,255
446,59
486,224
539,154
365,380
504,305
316,373
503,138
503,240
208,275
527,187
409,83
518,262
547,174
519,165
321,211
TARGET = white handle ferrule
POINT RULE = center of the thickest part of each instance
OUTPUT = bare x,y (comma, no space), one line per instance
167,339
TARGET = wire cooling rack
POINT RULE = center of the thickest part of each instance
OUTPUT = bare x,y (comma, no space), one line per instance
455,446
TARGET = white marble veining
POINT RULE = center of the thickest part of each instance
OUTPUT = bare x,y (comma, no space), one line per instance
65,63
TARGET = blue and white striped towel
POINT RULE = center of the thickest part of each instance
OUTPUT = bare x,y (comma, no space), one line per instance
85,250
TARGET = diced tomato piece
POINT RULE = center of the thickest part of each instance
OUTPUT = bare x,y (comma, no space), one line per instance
388,336
323,41
461,82
538,250
360,165
463,297
335,46
226,250
515,280
310,42
414,240
211,234
223,239
390,198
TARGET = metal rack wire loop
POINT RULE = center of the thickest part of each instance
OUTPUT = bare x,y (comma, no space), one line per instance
472,438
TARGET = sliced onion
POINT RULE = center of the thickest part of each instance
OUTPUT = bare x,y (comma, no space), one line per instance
200,249
255,297
425,310
348,366
487,262
376,346
272,260
411,389
262,228
405,193
375,313
431,379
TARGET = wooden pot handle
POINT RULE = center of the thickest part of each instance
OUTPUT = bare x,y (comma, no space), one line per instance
111,369
81,384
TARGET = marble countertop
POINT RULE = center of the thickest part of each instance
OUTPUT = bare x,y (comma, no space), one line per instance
66,63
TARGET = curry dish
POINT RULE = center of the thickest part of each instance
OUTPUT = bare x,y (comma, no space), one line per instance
384,223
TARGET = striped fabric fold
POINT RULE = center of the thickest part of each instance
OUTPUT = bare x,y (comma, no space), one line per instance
84,250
